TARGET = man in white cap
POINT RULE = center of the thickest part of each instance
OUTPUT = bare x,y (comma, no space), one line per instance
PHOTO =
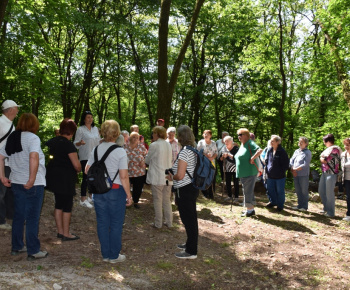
9,113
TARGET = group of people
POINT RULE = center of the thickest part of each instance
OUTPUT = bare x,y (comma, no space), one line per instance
170,161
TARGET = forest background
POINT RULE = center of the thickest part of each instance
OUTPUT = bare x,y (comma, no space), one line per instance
274,67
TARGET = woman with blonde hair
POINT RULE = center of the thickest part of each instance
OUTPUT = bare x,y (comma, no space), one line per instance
247,169
159,159
110,206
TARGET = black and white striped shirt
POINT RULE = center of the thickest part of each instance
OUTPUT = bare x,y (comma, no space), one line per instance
191,159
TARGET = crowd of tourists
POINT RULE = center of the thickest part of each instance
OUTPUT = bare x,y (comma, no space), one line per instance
167,164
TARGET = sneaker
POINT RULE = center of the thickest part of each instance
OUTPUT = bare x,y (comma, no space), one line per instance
321,212
105,260
269,205
295,208
302,209
121,258
248,214
184,255
228,198
90,200
327,215
38,255
86,203
17,252
5,226
182,246
347,218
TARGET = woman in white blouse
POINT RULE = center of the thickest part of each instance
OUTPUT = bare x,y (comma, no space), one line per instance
86,139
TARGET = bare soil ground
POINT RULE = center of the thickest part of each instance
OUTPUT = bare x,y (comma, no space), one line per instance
269,251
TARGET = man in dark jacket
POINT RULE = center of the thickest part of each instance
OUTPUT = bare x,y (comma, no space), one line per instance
277,163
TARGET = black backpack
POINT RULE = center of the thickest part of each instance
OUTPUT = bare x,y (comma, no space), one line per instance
98,179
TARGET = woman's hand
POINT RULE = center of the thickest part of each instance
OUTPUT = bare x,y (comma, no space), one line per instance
6,182
82,142
170,177
128,200
251,160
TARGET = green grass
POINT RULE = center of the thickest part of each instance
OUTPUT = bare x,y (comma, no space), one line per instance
165,265
86,263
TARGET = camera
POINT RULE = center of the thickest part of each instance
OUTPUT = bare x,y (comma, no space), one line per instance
170,170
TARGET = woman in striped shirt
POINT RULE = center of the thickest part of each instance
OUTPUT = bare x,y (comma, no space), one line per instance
186,195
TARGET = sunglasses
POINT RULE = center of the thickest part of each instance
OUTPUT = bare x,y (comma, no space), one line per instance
88,112
240,135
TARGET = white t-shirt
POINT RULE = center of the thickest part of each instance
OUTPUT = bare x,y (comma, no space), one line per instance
91,139
115,161
191,159
5,125
19,162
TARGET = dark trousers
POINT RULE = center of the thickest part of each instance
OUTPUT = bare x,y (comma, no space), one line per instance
137,186
83,186
220,168
347,190
6,200
229,177
209,193
186,201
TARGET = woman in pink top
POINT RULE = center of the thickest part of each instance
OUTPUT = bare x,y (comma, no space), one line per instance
136,165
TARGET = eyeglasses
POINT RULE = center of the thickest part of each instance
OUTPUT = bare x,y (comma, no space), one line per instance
240,135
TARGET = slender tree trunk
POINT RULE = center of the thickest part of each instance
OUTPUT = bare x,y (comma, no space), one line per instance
283,75
3,5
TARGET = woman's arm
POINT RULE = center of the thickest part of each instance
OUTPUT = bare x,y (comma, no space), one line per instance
78,138
33,169
75,161
256,155
5,181
124,179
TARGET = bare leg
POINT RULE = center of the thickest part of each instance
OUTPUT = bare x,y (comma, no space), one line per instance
59,221
66,223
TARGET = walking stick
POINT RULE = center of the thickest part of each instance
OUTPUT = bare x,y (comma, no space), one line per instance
223,169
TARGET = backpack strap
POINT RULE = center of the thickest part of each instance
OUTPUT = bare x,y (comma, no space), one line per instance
193,150
104,157
8,133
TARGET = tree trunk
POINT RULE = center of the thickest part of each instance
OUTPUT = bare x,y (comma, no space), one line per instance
3,4
165,90
283,75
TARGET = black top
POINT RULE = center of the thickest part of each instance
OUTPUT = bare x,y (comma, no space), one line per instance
61,175
277,164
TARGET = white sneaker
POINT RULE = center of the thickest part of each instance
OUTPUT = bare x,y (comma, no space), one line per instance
38,255
86,203
121,258
90,200
105,260
347,218
302,209
184,255
295,207
5,226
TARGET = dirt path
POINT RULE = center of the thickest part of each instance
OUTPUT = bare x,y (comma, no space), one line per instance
270,251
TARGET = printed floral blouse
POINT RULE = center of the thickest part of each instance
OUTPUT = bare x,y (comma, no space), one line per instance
136,160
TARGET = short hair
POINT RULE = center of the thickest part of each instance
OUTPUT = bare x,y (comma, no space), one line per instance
120,141
171,130
67,127
306,141
243,131
124,132
160,131
228,138
252,136
346,141
28,122
276,138
83,116
110,130
134,135
329,138
185,136
208,131
4,111
132,127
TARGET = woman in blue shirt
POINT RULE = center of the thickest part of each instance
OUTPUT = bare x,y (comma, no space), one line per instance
300,168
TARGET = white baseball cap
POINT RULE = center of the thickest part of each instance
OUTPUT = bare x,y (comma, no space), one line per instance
9,104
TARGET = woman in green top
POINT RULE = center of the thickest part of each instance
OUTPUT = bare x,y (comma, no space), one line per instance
247,168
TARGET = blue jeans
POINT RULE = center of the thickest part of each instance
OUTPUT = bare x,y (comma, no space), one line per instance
276,191
301,184
110,214
27,210
326,191
347,190
6,200
248,184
